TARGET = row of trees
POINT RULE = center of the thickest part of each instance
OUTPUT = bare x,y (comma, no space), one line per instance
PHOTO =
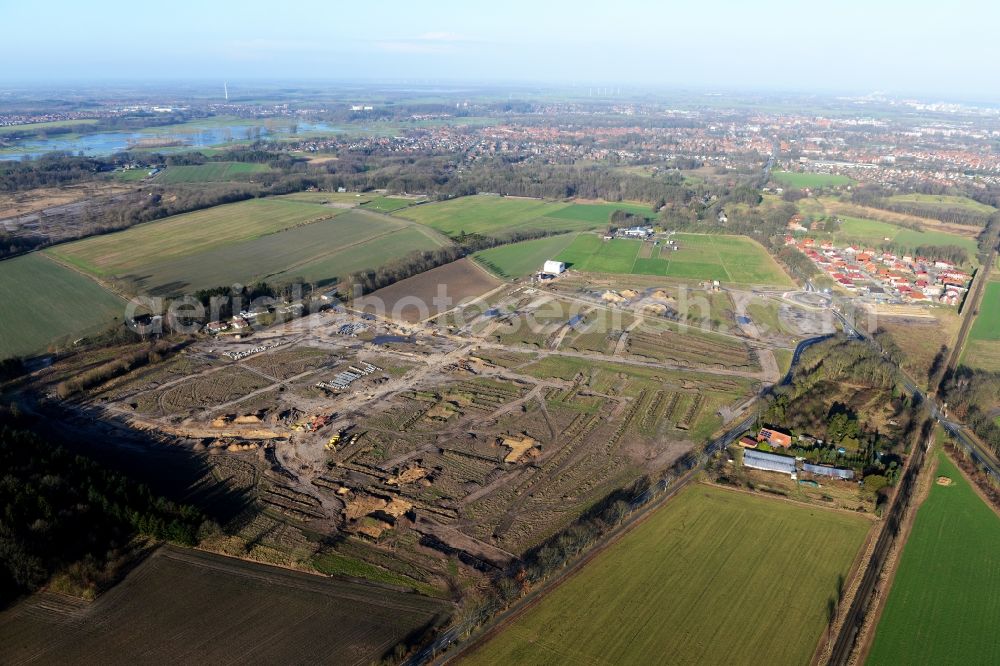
367,281
972,397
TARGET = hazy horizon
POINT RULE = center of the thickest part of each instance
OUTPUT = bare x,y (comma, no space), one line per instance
897,47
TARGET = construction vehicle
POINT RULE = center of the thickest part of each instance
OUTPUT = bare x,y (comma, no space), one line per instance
332,444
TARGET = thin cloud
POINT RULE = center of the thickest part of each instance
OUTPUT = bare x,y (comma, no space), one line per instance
442,37
413,46
427,42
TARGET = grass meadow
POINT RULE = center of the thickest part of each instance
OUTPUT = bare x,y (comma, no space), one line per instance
44,303
987,324
356,198
387,204
522,259
945,598
732,259
982,350
601,213
133,250
872,232
482,214
211,172
713,577
322,252
809,180
943,202
498,216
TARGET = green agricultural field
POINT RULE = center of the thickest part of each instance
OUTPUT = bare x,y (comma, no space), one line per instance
43,303
131,175
321,252
872,232
521,259
732,259
356,198
810,180
943,202
588,252
132,251
987,324
498,216
209,173
485,214
387,204
600,213
982,349
945,599
714,577
372,253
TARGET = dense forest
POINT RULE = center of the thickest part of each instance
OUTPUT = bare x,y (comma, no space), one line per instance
64,514
51,170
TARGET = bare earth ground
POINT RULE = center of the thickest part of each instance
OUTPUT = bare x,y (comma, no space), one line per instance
184,606
462,281
32,201
403,476
405,469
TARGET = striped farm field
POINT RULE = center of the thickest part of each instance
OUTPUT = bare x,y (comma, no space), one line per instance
43,303
731,259
492,215
484,214
713,577
322,252
133,250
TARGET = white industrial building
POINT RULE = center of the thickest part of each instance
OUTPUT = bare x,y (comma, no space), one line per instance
553,267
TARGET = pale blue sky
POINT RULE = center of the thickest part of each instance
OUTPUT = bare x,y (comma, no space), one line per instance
944,48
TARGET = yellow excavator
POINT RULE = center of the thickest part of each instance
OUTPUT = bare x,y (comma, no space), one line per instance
332,444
